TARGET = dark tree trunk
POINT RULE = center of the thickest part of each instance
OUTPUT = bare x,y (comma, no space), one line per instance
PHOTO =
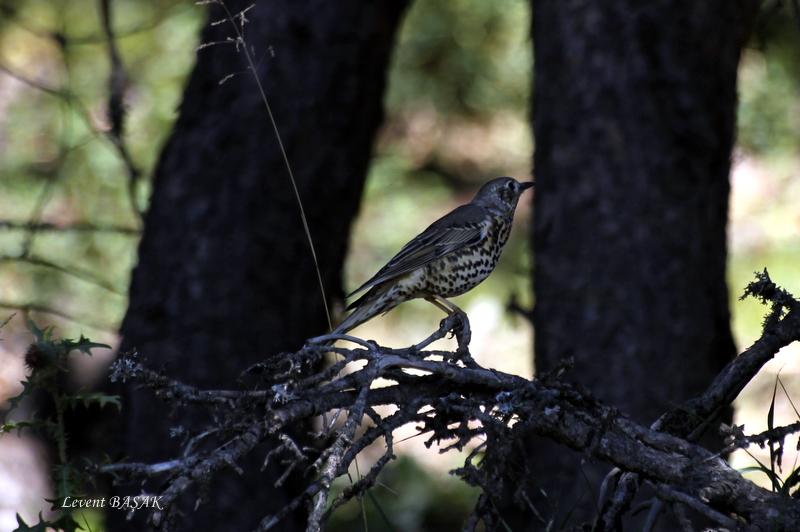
225,275
634,116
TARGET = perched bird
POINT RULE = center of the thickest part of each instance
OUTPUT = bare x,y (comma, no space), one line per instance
449,258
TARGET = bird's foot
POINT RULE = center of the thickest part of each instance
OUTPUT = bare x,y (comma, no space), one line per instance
457,324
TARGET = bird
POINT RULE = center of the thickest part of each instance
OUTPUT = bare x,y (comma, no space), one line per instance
449,258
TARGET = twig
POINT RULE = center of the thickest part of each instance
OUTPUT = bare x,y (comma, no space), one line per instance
666,493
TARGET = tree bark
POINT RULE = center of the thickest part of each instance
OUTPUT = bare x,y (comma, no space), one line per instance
634,115
225,276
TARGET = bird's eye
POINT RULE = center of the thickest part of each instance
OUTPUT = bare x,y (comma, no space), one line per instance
510,185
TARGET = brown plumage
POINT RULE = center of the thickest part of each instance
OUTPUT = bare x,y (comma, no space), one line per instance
452,256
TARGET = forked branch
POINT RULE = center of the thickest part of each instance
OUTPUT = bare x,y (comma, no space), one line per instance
453,401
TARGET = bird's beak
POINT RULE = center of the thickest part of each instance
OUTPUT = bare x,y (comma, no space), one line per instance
526,185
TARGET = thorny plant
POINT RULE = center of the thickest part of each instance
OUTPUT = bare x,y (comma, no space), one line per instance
47,359
454,402
72,125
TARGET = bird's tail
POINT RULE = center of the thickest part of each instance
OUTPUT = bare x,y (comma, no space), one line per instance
363,311
377,301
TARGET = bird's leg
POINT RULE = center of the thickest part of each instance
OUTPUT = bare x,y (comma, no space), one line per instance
460,328
452,311
444,305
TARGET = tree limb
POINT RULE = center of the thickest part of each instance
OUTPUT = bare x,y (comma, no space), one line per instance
452,400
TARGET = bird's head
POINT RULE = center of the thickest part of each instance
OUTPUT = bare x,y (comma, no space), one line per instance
501,194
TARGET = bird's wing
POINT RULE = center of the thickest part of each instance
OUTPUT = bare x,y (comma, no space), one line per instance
463,227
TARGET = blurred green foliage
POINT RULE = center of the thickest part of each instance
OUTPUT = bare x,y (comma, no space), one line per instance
433,504
769,81
766,182
69,209
463,57
459,87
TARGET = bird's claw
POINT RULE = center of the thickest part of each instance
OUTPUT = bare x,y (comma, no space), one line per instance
457,324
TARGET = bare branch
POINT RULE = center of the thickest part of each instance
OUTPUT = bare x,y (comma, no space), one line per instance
459,405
